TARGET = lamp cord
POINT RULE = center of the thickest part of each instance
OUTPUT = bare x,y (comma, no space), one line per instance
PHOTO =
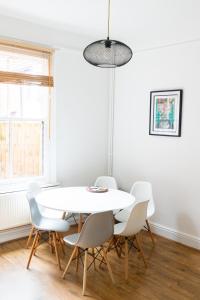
108,18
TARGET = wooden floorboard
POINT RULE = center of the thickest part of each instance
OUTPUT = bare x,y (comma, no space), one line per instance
173,273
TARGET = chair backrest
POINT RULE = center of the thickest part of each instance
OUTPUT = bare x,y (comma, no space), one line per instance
142,190
107,182
35,212
34,189
136,219
97,229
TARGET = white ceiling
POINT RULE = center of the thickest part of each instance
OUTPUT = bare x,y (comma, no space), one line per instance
139,23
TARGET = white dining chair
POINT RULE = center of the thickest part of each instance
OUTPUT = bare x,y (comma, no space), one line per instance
34,189
97,229
130,229
41,224
141,190
109,183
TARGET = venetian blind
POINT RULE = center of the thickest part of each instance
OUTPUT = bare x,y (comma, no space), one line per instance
25,65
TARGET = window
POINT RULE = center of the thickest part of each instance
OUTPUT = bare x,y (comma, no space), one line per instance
25,85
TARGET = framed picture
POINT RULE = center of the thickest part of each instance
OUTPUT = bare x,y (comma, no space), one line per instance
165,113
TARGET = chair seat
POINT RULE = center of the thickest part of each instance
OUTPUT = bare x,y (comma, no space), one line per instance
118,228
71,239
49,224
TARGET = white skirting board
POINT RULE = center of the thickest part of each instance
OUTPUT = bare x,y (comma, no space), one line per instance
14,233
180,237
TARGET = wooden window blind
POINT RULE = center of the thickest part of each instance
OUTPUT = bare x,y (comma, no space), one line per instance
25,64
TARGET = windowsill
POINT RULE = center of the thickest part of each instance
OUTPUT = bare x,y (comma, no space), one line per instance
17,187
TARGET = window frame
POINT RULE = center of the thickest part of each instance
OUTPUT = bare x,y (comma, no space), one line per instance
49,147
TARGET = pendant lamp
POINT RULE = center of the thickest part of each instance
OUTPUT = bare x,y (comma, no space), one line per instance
107,53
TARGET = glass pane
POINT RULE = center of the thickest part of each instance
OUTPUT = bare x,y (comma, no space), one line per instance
27,148
35,102
3,101
14,100
17,101
4,150
10,100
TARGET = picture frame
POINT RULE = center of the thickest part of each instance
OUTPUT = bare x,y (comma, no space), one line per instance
165,112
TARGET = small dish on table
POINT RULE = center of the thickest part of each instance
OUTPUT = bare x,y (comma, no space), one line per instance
97,189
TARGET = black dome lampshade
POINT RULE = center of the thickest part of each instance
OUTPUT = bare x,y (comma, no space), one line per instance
107,53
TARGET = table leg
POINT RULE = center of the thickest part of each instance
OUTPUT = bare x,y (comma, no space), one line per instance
80,222
77,250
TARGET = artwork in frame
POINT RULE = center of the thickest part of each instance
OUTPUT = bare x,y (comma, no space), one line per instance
165,113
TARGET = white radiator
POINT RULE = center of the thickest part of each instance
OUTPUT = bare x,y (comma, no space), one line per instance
14,210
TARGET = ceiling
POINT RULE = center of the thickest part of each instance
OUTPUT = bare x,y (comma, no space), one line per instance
140,23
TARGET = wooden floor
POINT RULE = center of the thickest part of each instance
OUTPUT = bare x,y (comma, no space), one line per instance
173,273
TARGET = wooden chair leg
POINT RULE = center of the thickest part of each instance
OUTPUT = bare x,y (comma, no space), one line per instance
93,254
69,262
110,244
37,243
30,236
77,259
50,242
140,249
126,258
60,242
116,241
62,245
108,265
85,272
33,248
56,250
150,232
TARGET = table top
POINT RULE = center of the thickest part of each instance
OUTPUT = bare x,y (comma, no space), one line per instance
80,200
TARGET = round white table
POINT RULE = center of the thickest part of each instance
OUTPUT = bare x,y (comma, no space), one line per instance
80,200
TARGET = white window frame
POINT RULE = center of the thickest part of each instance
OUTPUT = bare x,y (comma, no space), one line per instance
49,176
49,134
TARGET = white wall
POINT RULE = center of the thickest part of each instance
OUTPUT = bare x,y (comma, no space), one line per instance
171,164
81,101
82,119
